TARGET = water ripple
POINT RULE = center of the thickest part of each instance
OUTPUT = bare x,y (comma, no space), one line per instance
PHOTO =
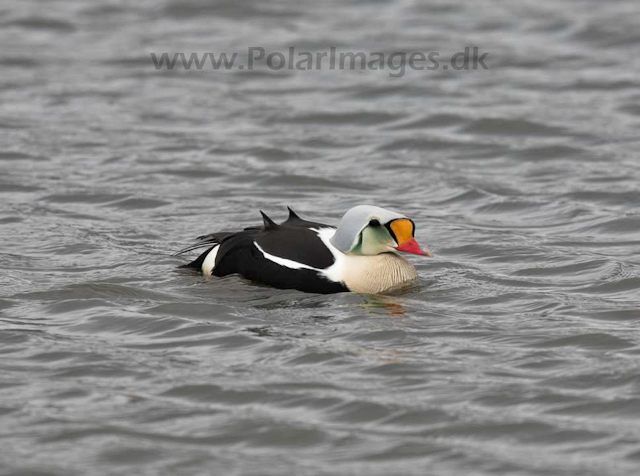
519,339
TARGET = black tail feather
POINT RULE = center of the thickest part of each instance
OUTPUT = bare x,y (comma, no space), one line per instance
195,246
206,241
197,263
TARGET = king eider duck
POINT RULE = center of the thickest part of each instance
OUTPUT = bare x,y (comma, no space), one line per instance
360,255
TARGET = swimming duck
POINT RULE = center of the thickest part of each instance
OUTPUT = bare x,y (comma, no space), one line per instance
360,255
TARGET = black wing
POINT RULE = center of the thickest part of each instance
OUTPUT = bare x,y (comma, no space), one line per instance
239,255
296,243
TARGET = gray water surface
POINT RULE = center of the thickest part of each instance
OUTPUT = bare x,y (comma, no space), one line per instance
516,353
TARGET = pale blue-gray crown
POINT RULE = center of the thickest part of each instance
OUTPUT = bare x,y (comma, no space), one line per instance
355,220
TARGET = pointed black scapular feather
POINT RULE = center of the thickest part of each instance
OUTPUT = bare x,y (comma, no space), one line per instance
268,222
295,220
292,215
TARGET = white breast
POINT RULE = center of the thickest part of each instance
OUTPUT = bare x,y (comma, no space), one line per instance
367,274
376,274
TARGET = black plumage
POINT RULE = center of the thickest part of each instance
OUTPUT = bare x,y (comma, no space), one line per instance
295,239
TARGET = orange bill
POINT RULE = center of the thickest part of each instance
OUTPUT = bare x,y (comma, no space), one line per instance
403,231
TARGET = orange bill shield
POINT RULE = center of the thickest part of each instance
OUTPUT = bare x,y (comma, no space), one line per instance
402,230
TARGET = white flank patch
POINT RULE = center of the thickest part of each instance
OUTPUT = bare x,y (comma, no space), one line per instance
210,261
287,263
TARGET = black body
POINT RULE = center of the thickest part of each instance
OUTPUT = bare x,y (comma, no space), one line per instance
295,240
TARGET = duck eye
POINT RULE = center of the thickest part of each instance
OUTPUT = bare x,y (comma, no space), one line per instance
374,222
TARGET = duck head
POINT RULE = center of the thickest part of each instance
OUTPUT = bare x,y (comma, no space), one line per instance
369,230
